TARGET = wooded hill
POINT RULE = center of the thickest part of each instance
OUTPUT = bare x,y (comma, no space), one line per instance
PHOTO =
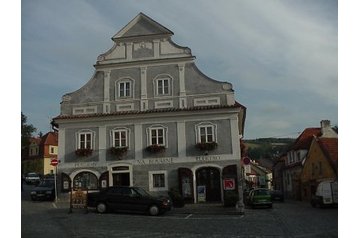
268,148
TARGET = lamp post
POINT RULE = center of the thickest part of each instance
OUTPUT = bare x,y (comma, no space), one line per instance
240,207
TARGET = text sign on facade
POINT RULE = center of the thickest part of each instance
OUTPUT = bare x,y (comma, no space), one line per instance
229,184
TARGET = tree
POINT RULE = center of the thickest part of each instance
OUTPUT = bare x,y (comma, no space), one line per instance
26,132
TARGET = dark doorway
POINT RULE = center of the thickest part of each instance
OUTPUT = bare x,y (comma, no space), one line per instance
121,179
210,178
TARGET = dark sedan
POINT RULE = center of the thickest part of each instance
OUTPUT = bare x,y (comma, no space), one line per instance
44,191
128,199
277,195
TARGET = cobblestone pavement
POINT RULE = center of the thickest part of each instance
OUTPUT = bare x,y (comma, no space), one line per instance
288,219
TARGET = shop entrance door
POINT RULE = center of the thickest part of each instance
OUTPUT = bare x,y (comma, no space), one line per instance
210,178
121,179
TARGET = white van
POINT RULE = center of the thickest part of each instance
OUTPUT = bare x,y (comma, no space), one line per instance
326,194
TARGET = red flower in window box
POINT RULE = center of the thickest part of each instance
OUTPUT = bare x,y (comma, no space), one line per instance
118,151
207,145
83,152
155,148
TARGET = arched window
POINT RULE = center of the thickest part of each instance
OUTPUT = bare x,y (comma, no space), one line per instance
206,132
124,88
85,180
163,85
85,139
120,137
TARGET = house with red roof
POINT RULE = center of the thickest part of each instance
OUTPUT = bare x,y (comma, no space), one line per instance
39,154
296,156
150,118
321,164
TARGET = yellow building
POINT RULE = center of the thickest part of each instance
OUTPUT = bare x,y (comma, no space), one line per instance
321,164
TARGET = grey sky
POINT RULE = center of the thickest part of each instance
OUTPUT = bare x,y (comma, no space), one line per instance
281,56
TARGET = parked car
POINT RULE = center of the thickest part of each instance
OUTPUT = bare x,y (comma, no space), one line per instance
128,199
45,190
32,178
260,197
277,195
326,194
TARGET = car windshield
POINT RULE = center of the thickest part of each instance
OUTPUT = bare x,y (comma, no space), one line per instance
141,192
32,175
46,183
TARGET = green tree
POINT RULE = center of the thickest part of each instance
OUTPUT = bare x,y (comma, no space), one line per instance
26,132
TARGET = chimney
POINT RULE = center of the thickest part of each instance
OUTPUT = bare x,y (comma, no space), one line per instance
326,130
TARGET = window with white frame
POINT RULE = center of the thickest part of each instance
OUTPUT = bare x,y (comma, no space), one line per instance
158,181
163,85
85,139
120,137
206,132
157,135
124,88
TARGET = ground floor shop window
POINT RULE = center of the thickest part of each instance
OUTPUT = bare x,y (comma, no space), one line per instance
158,181
85,180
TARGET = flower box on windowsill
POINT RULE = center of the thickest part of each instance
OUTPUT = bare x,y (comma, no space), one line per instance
155,148
83,152
207,145
118,151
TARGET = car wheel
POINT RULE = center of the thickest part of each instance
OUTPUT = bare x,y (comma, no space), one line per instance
153,210
101,207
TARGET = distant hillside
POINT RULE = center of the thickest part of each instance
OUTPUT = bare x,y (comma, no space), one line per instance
268,148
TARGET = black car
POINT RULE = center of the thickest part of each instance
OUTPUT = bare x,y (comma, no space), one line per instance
32,178
277,195
45,190
128,199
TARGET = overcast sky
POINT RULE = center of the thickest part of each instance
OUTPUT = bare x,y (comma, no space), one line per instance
280,56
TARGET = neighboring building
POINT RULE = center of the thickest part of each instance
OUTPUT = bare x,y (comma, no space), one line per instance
321,164
149,117
39,154
297,154
257,176
277,172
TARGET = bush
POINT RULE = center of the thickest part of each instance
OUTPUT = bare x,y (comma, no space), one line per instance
177,199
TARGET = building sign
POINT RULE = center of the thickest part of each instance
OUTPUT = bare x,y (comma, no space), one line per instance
229,184
78,199
201,193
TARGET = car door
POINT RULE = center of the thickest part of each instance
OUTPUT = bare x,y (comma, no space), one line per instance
113,198
129,200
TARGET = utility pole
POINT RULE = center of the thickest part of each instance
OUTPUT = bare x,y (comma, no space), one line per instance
240,207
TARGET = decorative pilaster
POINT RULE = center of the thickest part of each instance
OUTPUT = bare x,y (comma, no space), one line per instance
143,89
156,48
102,142
129,49
181,139
106,79
138,142
183,102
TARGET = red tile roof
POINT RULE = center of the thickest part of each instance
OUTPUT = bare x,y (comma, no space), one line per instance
51,138
236,105
305,139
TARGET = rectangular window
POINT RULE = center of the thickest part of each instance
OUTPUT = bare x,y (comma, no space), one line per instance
158,181
157,136
163,86
85,140
120,138
206,134
124,89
